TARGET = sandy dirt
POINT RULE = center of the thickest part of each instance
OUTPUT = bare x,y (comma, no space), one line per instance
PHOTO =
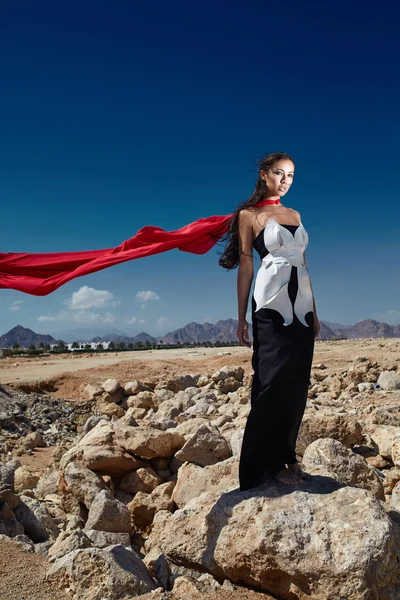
20,369
23,575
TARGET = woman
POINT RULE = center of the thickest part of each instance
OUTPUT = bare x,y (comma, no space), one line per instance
285,322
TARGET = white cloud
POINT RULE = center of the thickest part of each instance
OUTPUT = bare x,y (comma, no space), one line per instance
86,316
108,318
146,296
16,305
87,297
135,320
163,322
82,300
49,318
391,317
79,316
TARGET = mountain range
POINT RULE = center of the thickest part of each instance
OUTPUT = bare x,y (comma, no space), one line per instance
24,338
221,331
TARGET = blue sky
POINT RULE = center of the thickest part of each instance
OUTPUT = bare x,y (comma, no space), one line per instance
120,115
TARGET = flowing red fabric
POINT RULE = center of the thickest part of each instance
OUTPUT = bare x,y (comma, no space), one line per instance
41,274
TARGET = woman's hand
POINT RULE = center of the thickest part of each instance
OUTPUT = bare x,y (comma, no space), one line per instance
243,333
317,327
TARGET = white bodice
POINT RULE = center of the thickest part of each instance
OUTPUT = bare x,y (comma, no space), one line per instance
271,286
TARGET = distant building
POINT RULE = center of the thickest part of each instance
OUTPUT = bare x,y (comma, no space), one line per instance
92,345
5,352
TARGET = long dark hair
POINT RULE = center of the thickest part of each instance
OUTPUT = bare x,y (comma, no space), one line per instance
230,257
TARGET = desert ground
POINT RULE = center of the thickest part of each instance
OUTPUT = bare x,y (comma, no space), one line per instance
67,372
62,377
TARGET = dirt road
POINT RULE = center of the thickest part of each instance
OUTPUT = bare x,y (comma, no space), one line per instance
21,369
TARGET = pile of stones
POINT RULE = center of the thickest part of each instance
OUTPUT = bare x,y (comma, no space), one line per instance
146,497
51,420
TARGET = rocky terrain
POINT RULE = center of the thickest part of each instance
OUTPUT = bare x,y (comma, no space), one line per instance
139,496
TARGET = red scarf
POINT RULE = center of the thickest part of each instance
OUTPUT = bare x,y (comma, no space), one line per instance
41,274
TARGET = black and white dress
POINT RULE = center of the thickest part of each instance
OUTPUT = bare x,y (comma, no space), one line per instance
283,347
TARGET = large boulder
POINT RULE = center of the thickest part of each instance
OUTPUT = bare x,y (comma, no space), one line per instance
108,514
180,382
81,482
111,385
319,542
90,391
38,523
143,480
132,388
191,426
194,480
339,427
330,458
147,443
111,460
384,436
115,572
47,484
110,409
102,433
227,372
205,447
66,542
144,506
389,380
141,400
26,478
102,539
34,440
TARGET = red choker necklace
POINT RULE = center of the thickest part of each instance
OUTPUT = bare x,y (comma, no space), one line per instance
266,202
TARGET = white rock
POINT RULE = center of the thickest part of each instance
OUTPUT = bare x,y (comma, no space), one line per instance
329,458
147,443
384,437
364,386
111,385
108,514
114,572
194,480
206,447
389,380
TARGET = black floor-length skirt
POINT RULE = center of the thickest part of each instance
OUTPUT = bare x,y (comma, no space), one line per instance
282,358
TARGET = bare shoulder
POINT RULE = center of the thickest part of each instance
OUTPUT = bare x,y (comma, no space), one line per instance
296,214
246,212
246,216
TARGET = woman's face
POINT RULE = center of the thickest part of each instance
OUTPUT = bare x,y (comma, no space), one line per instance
279,178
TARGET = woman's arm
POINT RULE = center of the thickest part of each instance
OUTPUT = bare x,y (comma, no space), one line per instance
245,273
